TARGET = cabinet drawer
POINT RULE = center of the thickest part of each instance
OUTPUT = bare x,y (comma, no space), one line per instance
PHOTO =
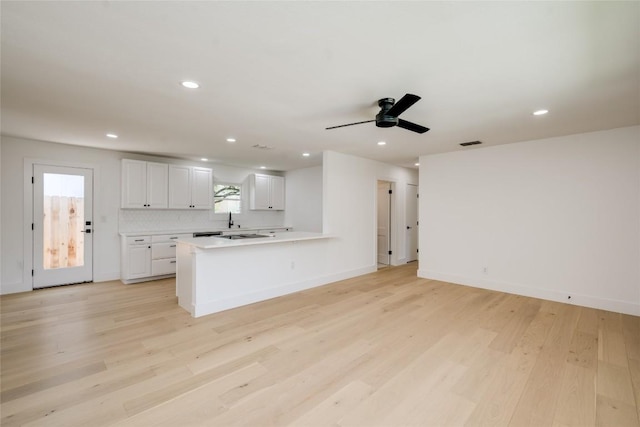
163,266
163,250
138,240
169,237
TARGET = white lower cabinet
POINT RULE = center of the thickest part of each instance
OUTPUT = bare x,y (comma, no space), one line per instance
161,267
136,257
149,257
139,261
163,253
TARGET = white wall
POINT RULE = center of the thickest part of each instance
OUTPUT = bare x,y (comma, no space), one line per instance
551,218
349,210
16,222
303,199
0,213
109,219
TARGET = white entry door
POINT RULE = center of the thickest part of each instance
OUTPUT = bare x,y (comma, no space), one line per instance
62,225
412,222
384,220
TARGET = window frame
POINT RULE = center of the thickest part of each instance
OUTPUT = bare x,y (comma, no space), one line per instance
216,198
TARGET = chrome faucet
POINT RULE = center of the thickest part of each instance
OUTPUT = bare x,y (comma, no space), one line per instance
230,220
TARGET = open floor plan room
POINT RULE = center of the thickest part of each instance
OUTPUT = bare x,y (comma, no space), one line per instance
383,349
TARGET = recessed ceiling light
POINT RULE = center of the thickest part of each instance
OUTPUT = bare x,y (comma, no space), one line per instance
204,159
231,140
416,164
306,154
112,135
540,112
382,143
263,167
190,85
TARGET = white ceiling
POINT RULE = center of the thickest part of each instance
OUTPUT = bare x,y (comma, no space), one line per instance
278,73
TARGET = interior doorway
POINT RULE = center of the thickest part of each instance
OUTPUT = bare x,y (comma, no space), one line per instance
412,222
62,225
384,223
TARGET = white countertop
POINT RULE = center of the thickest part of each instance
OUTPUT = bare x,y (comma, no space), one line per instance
285,236
195,230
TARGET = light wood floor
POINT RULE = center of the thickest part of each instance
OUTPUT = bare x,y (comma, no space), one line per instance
386,349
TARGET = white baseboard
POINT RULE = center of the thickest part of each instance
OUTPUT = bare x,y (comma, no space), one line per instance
617,306
106,277
215,306
14,288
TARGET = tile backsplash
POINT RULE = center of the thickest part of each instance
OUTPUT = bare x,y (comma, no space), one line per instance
133,220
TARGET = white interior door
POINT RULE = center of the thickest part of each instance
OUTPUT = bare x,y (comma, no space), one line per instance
384,219
62,225
412,222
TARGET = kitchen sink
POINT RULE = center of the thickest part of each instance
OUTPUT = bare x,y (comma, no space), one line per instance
241,236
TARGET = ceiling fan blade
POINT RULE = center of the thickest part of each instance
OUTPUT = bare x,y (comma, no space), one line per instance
411,126
350,124
405,102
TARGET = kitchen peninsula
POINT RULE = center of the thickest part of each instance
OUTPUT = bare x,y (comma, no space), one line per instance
217,273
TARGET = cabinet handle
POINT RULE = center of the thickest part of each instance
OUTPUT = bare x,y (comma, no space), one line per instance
149,247
172,262
172,246
172,238
139,240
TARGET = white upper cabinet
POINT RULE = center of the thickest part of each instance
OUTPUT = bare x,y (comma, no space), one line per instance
202,188
276,191
190,187
179,187
266,192
259,194
144,184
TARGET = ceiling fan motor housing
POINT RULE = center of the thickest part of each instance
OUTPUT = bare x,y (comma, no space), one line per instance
389,112
382,119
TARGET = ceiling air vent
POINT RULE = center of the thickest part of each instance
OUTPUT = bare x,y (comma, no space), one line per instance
466,144
262,147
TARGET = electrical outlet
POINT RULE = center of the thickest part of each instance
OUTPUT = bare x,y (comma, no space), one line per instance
485,270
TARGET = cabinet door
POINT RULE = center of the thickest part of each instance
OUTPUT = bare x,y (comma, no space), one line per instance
202,188
179,187
161,267
138,261
157,184
163,250
260,193
134,184
277,193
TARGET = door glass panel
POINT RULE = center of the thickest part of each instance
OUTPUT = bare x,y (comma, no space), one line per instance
63,221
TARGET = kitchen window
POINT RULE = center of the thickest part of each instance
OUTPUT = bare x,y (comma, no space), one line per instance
226,198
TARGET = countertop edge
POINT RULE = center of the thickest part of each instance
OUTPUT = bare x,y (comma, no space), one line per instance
221,244
195,230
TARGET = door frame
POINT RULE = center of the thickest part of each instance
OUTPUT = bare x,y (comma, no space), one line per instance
390,234
27,239
417,227
393,221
